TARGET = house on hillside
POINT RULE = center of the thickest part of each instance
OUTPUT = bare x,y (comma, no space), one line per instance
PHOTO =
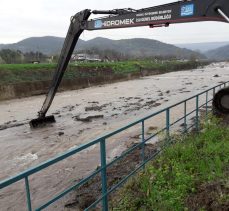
86,57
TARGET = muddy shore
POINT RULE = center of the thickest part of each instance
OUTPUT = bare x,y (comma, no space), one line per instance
81,116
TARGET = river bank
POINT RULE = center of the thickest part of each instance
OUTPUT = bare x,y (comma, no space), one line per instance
24,80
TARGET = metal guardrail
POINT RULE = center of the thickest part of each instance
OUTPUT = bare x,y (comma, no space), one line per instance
102,141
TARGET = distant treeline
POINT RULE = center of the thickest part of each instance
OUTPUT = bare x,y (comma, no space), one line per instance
113,55
8,56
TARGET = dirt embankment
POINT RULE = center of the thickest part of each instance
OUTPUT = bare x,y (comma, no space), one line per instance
25,80
26,89
90,192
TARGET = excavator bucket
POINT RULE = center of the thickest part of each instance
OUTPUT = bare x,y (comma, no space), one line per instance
42,121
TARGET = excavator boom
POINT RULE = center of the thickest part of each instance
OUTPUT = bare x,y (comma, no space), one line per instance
185,11
178,12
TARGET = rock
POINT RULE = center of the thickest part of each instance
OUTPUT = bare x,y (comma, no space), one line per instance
61,133
156,104
3,127
150,102
153,128
88,118
93,102
71,108
95,108
10,125
216,76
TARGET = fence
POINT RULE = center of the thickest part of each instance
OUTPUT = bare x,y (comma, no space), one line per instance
189,119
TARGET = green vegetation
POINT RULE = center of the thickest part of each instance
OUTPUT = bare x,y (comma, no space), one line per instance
16,73
26,67
135,66
191,174
8,56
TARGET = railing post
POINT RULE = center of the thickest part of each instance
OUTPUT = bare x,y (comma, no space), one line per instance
197,113
168,122
143,143
104,173
213,91
185,116
29,205
206,106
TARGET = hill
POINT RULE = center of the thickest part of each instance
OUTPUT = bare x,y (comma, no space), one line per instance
139,47
202,47
221,53
47,45
133,47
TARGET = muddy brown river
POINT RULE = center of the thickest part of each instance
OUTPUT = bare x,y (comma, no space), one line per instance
81,116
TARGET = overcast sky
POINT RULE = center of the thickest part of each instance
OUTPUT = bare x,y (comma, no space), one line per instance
34,18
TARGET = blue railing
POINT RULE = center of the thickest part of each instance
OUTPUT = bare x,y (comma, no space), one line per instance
201,101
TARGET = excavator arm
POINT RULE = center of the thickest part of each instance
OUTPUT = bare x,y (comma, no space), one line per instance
178,12
74,32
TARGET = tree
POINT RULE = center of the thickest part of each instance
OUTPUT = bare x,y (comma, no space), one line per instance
11,56
34,56
1,60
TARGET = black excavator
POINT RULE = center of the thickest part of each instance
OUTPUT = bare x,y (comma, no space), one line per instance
185,11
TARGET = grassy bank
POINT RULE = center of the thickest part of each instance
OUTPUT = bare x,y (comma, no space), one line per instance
192,174
17,73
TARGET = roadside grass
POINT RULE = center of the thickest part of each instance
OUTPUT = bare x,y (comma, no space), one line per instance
17,73
173,180
23,67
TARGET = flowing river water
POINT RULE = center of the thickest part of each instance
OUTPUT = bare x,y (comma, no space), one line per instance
81,116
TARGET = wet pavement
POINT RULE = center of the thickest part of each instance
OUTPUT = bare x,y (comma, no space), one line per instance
81,116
